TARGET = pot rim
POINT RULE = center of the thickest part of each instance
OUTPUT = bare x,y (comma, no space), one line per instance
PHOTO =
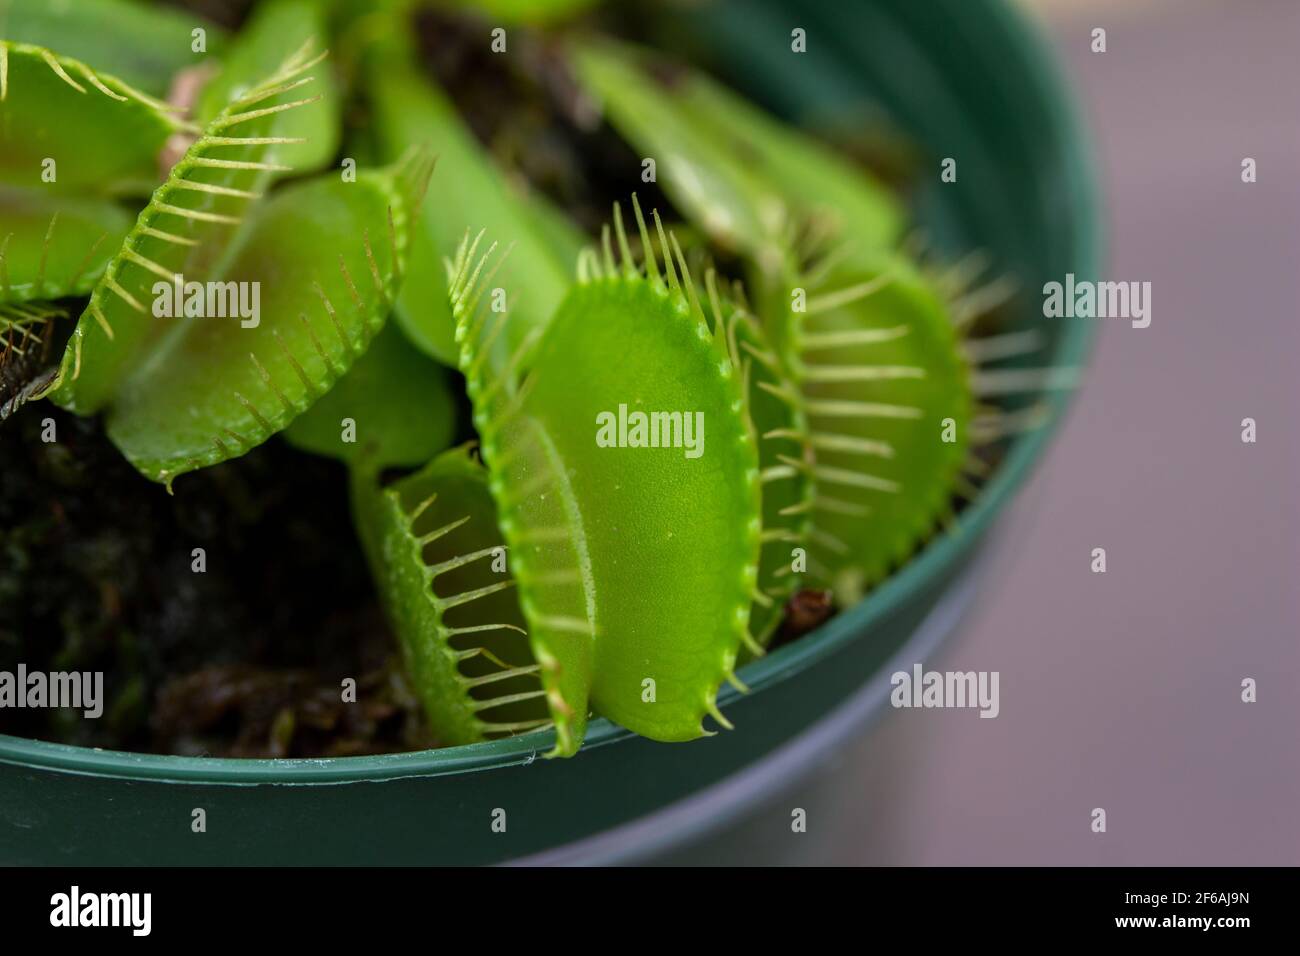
704,813
1024,451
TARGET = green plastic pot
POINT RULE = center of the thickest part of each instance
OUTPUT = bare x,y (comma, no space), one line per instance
960,78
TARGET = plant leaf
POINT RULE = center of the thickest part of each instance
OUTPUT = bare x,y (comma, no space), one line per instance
741,175
274,30
102,135
634,564
530,12
785,459
186,229
398,400
144,44
439,565
725,197
556,229
880,367
326,256
409,109
52,247
423,312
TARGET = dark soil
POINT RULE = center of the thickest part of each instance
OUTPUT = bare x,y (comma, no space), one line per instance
247,657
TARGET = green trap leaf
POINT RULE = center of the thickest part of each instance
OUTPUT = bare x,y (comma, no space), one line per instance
534,277
186,229
52,247
746,179
527,11
326,257
68,129
636,564
145,44
440,567
888,397
274,30
785,459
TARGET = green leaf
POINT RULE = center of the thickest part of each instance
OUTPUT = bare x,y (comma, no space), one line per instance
556,229
398,402
888,397
636,566
144,44
68,129
187,228
440,568
420,313
725,197
326,256
274,31
742,176
407,109
785,459
52,247
526,11
423,312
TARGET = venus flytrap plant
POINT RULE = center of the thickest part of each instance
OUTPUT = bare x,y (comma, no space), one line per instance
440,566
878,348
71,138
602,532
874,387
311,136
744,178
664,469
322,302
553,228
54,247
409,108
898,390
886,392
523,11
145,44
325,256
537,508
1008,399
66,128
775,407
186,227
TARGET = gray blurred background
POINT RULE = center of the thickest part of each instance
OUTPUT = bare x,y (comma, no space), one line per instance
1123,690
